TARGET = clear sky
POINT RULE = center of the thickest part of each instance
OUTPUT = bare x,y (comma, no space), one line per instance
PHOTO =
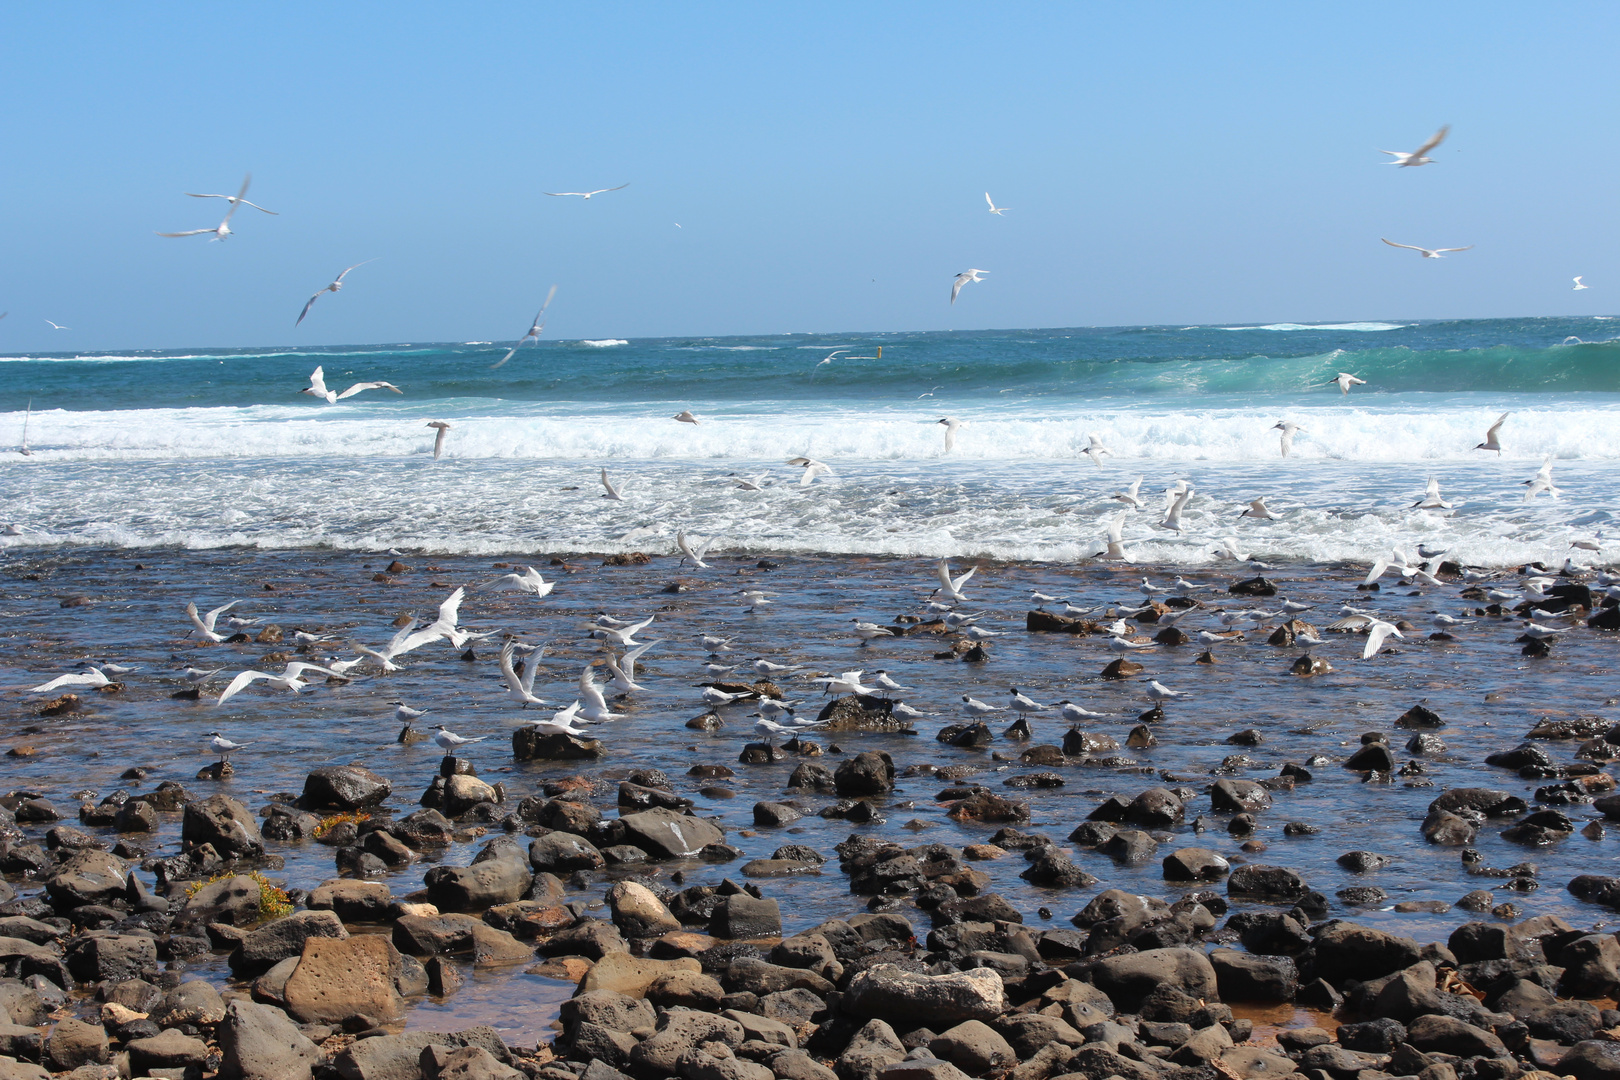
1162,162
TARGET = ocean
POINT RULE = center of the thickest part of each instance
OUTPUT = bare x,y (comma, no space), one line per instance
215,448
205,476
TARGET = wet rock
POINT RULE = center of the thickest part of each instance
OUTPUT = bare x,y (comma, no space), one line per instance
1591,966
741,916
563,853
860,713
1360,862
811,776
1591,1060
988,807
1247,977
775,814
867,773
1129,846
1373,757
1194,864
889,992
1539,828
194,1003
680,1032
665,834
102,955
1488,801
499,874
638,913
351,900
1418,718
530,745
224,824
632,975
280,940
1274,884
1238,797
1308,665
1122,669
1155,808
1053,869
1448,829
344,787
1346,950
1077,743
1425,745
1128,979
89,877
233,901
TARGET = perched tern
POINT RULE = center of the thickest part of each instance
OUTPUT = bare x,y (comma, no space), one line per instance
223,746
449,741
975,707
1022,703
1157,691
405,714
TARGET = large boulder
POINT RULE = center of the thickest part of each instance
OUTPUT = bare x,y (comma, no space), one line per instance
499,874
340,978
638,913
193,1003
665,834
1274,884
974,1047
630,976
233,901
168,1049
225,824
104,955
1591,1060
344,787
741,915
868,773
1130,978
890,992
529,744
283,939
72,1043
89,877
352,900
1245,976
1346,950
564,852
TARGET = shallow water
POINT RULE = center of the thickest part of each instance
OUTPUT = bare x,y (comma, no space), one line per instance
136,617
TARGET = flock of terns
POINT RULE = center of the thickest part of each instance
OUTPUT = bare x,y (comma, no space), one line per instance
725,690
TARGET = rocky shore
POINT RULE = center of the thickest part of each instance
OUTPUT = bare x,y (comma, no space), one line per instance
933,974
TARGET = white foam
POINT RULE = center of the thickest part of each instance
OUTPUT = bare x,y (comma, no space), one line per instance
1360,327
604,343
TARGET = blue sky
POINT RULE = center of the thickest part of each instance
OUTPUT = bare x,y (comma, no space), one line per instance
1163,163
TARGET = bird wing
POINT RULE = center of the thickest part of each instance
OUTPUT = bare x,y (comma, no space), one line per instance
944,572
1433,491
1490,434
604,191
628,660
1470,247
630,631
256,206
1409,247
612,491
209,619
307,306
1376,634
339,279
362,386
1116,528
531,668
395,645
989,200
959,582
961,279
1434,141
507,671
438,440
188,232
242,681
297,668
450,610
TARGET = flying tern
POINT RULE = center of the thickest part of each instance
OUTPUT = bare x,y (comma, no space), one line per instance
438,438
205,623
223,229
1427,253
1289,430
952,587
336,286
1345,381
994,209
586,195
962,279
1416,157
535,329
237,198
951,424
1491,442
812,469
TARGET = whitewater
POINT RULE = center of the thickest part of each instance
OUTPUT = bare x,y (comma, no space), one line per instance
215,448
